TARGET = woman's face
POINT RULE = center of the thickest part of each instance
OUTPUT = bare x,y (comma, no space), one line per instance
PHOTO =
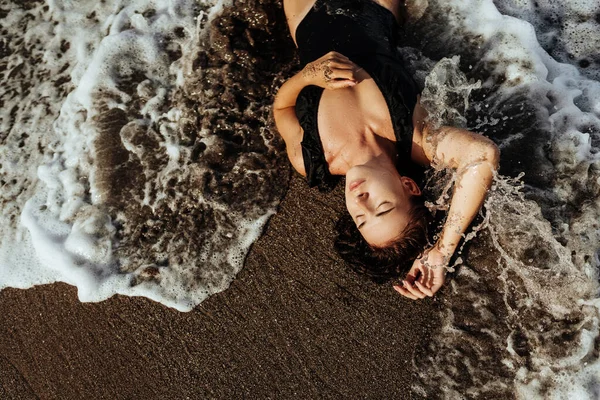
379,202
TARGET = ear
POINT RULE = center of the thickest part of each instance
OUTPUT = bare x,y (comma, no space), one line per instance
410,185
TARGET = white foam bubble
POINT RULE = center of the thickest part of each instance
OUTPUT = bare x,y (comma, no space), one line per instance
567,104
57,228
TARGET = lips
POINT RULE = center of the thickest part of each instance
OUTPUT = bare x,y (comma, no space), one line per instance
355,184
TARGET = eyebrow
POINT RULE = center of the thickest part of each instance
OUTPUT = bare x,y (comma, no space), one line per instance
377,215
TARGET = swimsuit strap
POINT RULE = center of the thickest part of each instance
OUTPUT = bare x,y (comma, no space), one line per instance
367,33
315,165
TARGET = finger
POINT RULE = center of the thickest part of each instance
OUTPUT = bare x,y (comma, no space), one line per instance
414,275
425,274
424,289
404,292
339,84
336,59
341,64
411,278
333,54
338,73
415,270
413,290
430,277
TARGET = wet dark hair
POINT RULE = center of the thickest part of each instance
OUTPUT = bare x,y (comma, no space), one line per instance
383,263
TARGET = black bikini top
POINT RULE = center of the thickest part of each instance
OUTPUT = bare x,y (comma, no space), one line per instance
366,33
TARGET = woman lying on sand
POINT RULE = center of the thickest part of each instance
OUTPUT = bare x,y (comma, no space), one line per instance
354,110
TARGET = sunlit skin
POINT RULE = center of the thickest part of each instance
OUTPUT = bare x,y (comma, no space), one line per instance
359,142
378,199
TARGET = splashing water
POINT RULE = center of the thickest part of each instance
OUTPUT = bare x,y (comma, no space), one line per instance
137,158
446,94
522,316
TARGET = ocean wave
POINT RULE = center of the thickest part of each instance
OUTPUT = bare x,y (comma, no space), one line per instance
521,314
139,157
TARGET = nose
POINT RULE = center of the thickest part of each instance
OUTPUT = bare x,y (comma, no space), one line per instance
361,199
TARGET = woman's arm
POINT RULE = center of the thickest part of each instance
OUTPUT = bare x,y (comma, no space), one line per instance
284,113
332,71
475,159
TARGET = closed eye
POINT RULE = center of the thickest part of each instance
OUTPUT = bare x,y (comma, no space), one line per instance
384,212
379,214
362,223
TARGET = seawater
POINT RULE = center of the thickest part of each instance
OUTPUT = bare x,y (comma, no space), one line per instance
521,314
138,157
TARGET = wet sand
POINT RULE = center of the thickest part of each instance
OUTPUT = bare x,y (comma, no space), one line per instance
294,323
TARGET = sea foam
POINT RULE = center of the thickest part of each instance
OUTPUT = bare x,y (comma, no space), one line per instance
103,185
522,316
138,158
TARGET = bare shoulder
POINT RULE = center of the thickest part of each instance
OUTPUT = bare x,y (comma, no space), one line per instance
418,154
295,11
446,145
452,147
293,7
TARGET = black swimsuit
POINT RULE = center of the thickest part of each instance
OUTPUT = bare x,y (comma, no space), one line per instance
367,33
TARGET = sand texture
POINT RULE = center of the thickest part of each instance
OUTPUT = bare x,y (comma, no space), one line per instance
295,323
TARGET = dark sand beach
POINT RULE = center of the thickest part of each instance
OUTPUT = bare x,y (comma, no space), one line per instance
295,323
520,317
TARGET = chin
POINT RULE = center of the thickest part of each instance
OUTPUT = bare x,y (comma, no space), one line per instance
356,172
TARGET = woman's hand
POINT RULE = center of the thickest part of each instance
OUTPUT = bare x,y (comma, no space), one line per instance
426,276
476,160
332,71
